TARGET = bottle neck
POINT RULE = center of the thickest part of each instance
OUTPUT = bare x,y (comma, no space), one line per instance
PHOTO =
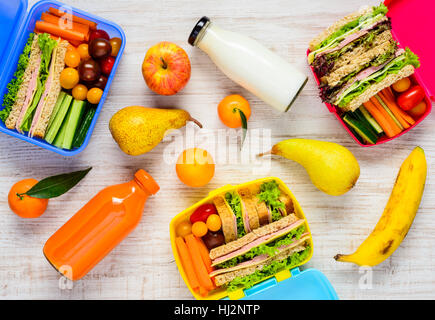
202,33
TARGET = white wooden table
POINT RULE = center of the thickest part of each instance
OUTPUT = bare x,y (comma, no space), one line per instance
142,266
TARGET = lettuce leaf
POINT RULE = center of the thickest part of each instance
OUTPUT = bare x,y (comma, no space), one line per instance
233,200
393,67
270,248
47,46
269,270
269,193
17,79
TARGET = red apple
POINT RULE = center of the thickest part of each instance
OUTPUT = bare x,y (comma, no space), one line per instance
166,68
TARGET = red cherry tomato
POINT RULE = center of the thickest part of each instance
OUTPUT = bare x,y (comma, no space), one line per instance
410,98
106,64
202,213
95,34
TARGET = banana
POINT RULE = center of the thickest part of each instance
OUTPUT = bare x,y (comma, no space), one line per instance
398,215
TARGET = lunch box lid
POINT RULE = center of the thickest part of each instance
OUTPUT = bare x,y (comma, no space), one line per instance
412,24
12,14
310,284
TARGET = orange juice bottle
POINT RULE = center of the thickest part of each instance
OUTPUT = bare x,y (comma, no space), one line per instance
99,226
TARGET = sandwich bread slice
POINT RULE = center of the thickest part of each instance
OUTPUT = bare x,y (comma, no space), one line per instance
249,212
228,219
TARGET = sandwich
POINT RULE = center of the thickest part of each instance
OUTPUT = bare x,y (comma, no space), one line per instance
357,57
246,209
279,245
38,88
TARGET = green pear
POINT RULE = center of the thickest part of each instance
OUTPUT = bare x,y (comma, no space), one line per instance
138,129
332,168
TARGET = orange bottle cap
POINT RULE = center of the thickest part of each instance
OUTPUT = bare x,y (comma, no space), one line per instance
147,181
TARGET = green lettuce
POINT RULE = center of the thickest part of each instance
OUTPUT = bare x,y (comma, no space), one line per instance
269,193
269,270
17,79
270,248
234,202
393,67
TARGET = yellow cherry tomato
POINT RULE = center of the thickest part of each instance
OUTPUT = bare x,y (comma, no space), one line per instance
79,92
94,95
195,167
83,51
184,229
116,45
69,78
199,229
402,85
72,58
214,222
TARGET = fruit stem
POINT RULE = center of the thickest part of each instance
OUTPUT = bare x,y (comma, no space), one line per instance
196,122
164,64
20,195
264,153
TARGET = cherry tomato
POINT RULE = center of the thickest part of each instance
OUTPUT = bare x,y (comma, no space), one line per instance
116,45
203,212
89,70
184,228
229,110
410,98
195,167
72,58
79,92
99,48
214,222
402,85
83,51
418,110
69,77
100,82
106,64
94,95
95,34
199,229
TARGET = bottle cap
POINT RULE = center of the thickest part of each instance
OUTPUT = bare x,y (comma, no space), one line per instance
147,181
197,29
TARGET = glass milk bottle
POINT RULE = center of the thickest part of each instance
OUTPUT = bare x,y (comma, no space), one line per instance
250,64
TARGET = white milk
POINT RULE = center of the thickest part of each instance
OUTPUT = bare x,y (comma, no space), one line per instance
250,64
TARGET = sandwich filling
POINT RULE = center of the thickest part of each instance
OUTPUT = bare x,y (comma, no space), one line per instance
233,200
270,194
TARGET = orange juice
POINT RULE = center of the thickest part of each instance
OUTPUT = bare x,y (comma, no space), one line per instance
99,226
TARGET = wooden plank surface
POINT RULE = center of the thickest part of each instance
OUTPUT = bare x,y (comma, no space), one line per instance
142,266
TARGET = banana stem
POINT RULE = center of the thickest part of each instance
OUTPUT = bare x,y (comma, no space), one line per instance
196,122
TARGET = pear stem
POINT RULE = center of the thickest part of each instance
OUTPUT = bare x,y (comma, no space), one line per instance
264,153
196,122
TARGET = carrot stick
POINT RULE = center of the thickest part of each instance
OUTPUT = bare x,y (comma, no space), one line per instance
198,264
92,25
75,26
393,125
404,115
187,263
205,255
395,110
388,94
58,31
379,117
72,42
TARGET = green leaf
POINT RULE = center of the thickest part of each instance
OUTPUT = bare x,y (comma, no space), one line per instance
55,186
244,125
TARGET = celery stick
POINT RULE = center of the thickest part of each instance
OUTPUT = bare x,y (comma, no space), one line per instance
58,142
56,108
75,115
371,120
389,112
52,132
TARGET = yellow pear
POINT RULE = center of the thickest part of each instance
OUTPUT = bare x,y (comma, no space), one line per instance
332,168
138,129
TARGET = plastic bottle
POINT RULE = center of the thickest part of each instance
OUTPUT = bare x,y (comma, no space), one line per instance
99,226
250,64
